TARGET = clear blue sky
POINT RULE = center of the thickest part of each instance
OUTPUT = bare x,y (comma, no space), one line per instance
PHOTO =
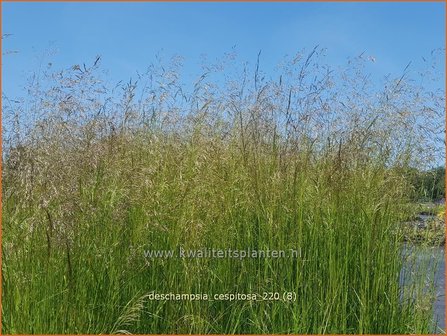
128,35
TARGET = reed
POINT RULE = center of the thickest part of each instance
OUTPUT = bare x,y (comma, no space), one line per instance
99,178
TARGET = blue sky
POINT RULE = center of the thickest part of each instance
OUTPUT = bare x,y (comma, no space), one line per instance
129,35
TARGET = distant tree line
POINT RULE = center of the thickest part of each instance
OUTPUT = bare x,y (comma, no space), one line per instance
428,185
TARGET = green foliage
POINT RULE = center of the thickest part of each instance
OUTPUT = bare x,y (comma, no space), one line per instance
95,182
428,185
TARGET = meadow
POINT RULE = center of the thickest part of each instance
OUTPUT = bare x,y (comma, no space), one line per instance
312,158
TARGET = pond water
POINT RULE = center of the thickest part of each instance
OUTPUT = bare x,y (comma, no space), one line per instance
435,256
439,307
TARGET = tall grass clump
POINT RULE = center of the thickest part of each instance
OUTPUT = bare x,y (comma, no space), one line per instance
311,159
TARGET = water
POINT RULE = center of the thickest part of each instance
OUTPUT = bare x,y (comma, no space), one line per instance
434,255
439,306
